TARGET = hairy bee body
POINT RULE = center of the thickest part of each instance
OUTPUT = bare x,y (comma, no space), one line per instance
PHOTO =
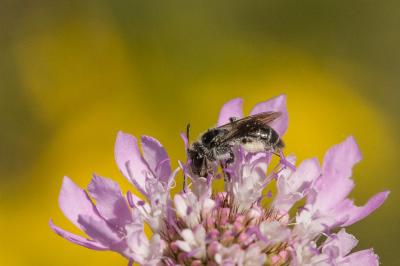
216,145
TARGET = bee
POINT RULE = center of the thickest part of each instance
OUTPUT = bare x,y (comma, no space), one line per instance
215,146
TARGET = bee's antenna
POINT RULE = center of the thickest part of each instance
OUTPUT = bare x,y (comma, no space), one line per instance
187,131
184,173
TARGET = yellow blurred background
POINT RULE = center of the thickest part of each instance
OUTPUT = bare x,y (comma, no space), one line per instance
73,73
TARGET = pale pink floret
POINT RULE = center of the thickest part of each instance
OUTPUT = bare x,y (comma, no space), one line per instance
335,251
104,223
112,224
335,184
138,168
198,226
294,186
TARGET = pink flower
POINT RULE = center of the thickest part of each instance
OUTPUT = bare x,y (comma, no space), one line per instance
233,227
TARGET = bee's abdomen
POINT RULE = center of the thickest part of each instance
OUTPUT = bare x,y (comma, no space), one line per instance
253,145
261,138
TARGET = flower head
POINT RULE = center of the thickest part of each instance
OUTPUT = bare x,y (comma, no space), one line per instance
201,226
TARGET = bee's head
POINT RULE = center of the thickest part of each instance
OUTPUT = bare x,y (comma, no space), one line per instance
197,157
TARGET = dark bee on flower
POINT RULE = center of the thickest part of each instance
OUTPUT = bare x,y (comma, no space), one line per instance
253,133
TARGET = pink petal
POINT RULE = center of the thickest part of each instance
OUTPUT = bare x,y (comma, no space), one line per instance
276,104
354,213
336,183
346,242
130,161
233,108
306,173
74,202
109,200
365,257
77,239
343,241
139,244
99,230
286,171
156,157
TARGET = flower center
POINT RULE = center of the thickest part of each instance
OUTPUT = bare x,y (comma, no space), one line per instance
223,231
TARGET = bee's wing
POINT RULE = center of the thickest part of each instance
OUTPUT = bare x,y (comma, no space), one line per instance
264,118
236,127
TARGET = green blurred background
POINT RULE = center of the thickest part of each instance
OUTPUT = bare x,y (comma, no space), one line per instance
73,73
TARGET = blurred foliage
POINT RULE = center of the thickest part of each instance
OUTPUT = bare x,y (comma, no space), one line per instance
73,73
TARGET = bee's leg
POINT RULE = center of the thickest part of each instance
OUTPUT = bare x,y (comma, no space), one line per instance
231,157
224,166
229,161
227,176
